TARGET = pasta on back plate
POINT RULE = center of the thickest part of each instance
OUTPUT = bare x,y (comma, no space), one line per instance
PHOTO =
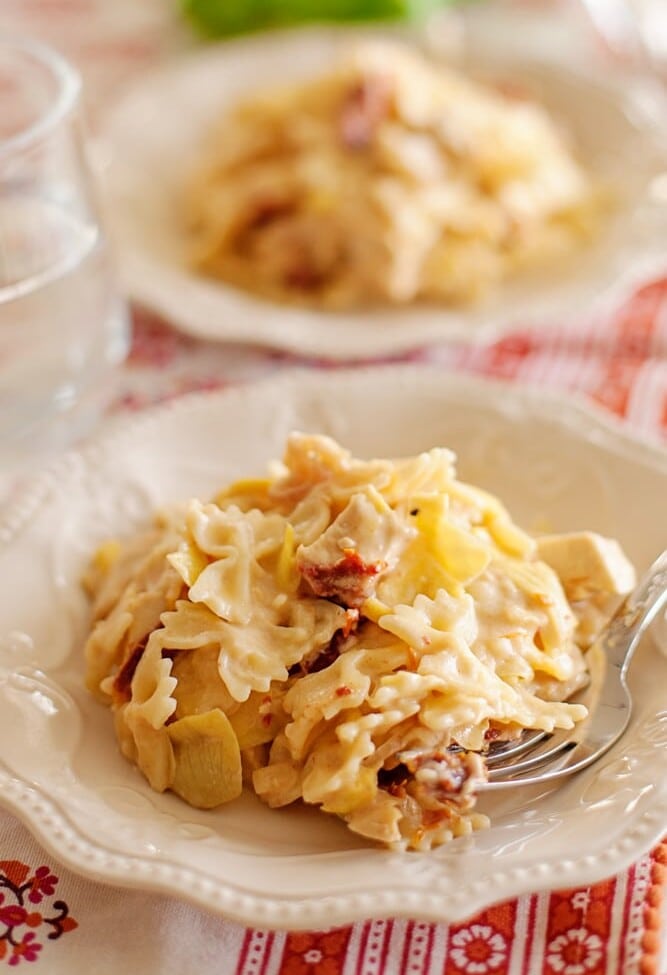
350,633
387,180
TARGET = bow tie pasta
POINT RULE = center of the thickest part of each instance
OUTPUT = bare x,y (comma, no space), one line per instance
387,181
353,634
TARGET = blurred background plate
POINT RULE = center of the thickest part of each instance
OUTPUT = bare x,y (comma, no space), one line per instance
153,135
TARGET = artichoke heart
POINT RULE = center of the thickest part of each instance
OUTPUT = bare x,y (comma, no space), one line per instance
208,760
188,561
460,553
252,724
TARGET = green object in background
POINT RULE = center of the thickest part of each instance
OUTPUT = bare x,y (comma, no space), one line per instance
218,18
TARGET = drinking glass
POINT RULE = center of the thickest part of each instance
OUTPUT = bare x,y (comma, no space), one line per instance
63,324
635,30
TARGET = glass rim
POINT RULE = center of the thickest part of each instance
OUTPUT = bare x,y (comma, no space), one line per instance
68,81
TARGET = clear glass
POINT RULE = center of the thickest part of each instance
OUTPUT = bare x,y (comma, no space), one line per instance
635,30
63,324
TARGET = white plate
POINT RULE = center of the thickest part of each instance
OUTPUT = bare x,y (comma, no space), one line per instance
155,132
61,771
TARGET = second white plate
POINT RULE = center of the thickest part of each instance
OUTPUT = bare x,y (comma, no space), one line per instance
155,132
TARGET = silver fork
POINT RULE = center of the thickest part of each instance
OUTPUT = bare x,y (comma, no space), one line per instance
543,758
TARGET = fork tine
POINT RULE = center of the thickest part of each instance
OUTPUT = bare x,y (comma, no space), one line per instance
544,753
552,766
504,751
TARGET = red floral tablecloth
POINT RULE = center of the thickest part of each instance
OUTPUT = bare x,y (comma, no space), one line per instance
62,924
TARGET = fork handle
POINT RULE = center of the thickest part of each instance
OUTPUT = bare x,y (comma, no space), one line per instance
622,634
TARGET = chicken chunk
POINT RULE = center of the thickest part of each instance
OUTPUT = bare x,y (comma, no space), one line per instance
348,558
587,563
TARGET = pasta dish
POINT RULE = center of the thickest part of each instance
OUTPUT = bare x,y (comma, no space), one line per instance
354,634
386,181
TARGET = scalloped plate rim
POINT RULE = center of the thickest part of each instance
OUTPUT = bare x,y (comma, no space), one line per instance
307,912
570,404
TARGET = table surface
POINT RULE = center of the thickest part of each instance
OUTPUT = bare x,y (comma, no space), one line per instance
60,923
